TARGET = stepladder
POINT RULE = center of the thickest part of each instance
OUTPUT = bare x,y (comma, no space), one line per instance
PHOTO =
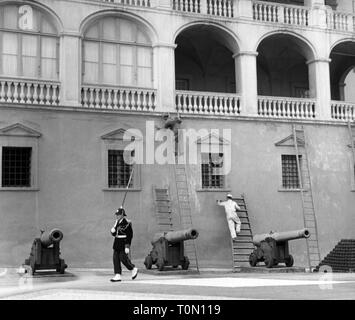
242,246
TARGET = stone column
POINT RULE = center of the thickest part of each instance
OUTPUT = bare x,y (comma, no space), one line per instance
164,76
319,79
246,81
70,70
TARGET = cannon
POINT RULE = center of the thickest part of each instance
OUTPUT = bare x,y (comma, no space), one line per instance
168,249
272,248
45,252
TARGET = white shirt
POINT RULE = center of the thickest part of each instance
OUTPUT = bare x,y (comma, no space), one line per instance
230,207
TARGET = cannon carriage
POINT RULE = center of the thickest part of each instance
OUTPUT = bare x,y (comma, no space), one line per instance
168,249
272,248
45,252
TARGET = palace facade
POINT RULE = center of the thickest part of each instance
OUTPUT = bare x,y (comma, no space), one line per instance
75,75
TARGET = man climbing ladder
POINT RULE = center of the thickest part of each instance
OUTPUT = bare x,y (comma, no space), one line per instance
231,208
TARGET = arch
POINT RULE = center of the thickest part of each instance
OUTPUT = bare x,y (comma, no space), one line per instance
232,42
282,65
39,6
117,50
342,61
204,58
307,48
92,18
38,30
338,42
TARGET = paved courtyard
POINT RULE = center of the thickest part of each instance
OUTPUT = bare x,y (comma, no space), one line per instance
212,284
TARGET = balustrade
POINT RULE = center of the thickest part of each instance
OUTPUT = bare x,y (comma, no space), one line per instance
120,98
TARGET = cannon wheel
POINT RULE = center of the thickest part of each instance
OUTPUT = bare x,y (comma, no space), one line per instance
62,266
253,259
289,261
32,268
185,264
269,262
148,262
160,264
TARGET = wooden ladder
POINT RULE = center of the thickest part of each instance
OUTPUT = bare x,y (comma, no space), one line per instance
182,189
304,177
163,209
243,246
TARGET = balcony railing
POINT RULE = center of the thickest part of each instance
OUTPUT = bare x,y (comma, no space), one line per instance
207,103
119,98
282,107
343,111
187,5
340,21
221,8
139,3
14,91
279,13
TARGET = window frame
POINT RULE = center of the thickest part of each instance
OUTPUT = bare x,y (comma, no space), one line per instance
214,144
118,65
298,187
40,35
114,141
222,177
27,139
26,171
124,185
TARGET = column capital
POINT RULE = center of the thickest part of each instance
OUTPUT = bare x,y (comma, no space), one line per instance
245,53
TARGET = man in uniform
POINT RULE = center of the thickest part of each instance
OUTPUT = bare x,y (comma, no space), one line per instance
123,233
233,220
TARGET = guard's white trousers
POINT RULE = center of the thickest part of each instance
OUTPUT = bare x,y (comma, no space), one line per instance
234,225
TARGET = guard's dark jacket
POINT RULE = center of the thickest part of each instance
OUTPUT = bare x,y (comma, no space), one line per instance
123,234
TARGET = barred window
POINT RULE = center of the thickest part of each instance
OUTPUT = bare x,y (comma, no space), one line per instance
211,166
118,170
16,166
290,179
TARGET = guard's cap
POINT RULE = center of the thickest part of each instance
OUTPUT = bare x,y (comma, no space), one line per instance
120,211
229,196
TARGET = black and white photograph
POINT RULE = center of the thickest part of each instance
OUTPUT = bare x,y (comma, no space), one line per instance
177,156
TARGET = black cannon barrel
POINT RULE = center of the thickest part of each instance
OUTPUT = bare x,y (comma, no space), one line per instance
282,236
50,237
177,236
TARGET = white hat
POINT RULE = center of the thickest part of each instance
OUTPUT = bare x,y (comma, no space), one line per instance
229,196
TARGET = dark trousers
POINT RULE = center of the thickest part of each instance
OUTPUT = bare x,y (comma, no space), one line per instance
118,257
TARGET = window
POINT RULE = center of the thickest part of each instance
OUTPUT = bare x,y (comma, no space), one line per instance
16,166
211,165
182,84
290,179
117,52
27,50
119,171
